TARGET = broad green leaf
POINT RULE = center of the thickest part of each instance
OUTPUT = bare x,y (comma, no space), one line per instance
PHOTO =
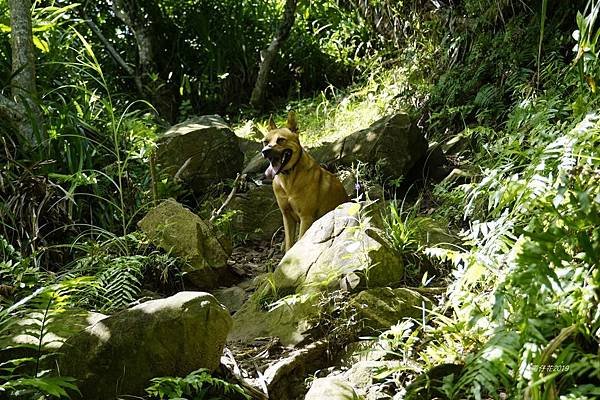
41,44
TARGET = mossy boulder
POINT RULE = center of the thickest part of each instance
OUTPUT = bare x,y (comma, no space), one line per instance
200,151
345,249
394,143
168,337
22,338
180,231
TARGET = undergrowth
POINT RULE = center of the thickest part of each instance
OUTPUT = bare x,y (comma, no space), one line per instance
521,317
514,102
198,385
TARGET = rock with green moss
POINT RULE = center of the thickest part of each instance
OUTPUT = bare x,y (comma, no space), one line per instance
331,388
379,308
200,151
394,144
169,337
183,233
345,249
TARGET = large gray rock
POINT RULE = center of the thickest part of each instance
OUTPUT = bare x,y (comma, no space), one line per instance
169,337
200,151
331,388
59,326
257,214
185,234
344,249
394,144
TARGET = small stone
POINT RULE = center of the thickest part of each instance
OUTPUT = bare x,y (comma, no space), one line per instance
331,388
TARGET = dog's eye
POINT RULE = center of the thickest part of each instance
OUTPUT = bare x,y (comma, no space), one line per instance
280,140
265,142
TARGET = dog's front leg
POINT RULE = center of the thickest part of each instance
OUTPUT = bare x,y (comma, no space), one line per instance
305,223
289,226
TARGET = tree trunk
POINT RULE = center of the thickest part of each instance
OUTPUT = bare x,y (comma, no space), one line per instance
268,55
23,68
143,17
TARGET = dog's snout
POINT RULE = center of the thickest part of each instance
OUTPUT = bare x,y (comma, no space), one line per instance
266,151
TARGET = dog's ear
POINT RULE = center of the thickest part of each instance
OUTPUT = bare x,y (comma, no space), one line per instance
292,122
272,123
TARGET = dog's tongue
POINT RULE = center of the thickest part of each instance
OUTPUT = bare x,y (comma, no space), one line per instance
270,172
276,165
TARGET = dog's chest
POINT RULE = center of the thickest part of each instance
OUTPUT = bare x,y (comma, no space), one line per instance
296,197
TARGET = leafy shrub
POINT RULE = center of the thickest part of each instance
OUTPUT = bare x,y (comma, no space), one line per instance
198,385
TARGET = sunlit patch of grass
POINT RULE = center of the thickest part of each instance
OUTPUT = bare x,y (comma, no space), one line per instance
335,113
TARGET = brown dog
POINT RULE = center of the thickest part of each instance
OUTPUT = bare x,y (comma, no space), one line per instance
304,190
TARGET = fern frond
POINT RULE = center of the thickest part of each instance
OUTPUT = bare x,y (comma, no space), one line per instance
121,282
491,368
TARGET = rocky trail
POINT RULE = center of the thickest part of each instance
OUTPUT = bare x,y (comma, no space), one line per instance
269,321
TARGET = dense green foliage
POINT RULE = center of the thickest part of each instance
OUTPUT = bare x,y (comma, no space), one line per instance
508,88
522,309
198,385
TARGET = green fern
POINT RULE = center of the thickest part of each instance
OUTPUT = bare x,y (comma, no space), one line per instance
121,282
37,316
489,371
531,272
198,385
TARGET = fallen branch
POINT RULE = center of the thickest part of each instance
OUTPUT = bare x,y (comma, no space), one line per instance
231,366
218,212
182,168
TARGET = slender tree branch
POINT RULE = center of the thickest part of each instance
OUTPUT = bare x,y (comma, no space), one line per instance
113,53
268,55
